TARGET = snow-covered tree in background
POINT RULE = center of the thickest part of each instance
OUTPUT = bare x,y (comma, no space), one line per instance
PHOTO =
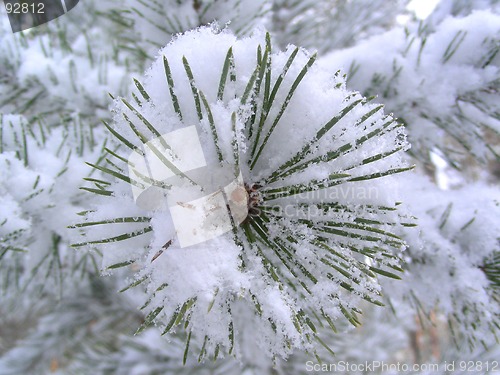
331,228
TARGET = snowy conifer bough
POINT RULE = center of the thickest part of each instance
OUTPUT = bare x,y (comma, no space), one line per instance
310,202
443,81
37,165
457,248
151,24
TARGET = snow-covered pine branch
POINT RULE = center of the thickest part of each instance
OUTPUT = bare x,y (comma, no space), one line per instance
58,316
453,259
328,25
316,161
443,85
41,171
150,24
63,72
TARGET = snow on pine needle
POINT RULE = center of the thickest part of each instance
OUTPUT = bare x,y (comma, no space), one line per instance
41,168
443,81
151,24
296,177
457,248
